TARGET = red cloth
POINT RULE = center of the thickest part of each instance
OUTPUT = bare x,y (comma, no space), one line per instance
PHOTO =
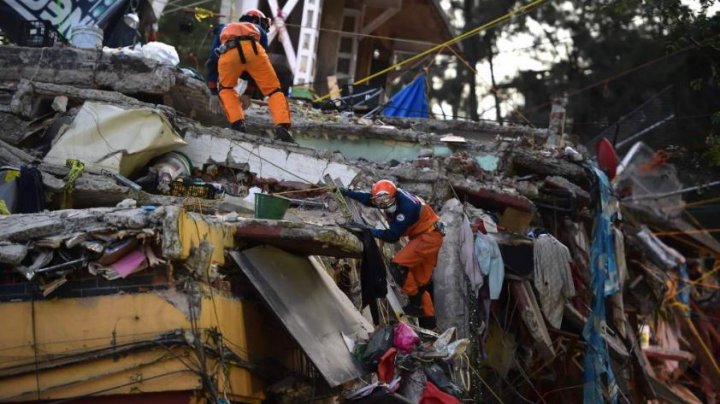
433,395
386,366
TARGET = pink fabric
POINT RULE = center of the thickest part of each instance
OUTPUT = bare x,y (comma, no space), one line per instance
133,262
404,338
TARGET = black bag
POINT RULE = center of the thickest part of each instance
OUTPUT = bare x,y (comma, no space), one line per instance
380,342
31,191
438,377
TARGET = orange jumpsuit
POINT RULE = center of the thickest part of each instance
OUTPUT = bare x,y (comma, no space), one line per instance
249,57
420,256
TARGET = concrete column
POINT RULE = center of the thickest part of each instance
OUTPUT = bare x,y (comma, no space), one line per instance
329,43
556,129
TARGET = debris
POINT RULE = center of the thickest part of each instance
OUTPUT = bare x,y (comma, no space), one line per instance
158,213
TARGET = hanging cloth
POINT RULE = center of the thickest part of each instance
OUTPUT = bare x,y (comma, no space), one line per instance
598,375
467,257
553,278
373,282
490,262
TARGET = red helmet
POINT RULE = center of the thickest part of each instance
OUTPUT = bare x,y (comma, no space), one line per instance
255,12
383,194
256,16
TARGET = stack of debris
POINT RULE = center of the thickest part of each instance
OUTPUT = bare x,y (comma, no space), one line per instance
555,281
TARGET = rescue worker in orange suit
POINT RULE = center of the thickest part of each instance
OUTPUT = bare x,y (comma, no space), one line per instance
408,215
239,51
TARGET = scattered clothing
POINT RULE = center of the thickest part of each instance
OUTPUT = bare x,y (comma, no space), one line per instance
598,374
404,338
518,259
467,257
373,281
386,366
433,395
553,279
490,261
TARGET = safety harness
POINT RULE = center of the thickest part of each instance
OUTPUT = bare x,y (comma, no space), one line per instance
236,44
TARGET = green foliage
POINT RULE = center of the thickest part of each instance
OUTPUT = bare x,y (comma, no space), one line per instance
193,47
713,142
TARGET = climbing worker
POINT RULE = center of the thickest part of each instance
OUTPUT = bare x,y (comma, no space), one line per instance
235,53
408,215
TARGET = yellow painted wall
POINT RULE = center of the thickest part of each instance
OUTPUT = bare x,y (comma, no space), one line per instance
76,325
195,228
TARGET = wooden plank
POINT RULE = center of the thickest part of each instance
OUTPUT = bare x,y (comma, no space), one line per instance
668,354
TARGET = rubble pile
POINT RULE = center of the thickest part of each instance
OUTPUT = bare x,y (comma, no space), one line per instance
556,281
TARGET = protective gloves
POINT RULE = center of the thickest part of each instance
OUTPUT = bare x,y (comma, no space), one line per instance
214,104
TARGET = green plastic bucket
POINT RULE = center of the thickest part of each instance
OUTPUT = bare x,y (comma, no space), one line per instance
270,206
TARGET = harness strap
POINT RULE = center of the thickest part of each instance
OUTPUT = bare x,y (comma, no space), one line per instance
223,88
277,90
241,54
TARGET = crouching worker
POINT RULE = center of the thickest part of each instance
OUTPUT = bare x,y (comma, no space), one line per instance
408,215
240,49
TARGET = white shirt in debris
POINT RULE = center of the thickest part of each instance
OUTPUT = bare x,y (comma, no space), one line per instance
467,257
553,279
489,258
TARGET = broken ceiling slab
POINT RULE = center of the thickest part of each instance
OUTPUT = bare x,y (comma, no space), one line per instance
27,94
86,68
482,130
309,303
134,76
280,161
121,140
528,162
44,225
300,238
487,196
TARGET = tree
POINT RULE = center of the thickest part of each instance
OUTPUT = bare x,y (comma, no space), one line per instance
190,37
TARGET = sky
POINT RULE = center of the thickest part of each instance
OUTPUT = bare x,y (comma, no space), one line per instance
514,53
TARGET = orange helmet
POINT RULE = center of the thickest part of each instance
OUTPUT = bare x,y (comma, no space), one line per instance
256,16
383,194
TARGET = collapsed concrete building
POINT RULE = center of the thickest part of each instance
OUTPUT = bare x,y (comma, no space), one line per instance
113,287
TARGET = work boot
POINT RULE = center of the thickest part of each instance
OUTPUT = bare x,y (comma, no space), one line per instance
414,307
427,322
239,126
282,133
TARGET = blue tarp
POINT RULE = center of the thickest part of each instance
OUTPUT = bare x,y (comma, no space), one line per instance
410,102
